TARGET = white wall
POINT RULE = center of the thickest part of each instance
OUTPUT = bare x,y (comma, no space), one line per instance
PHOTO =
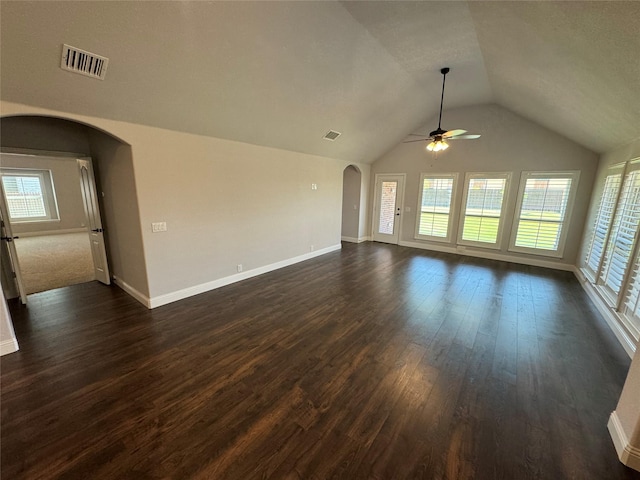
66,181
509,143
225,203
113,166
624,424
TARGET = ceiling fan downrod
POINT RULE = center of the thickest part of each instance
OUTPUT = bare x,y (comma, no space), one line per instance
444,72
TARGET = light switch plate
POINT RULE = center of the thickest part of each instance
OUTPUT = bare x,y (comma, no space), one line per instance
159,227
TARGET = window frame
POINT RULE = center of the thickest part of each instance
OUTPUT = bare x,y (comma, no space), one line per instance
452,209
613,298
618,171
574,175
506,176
45,178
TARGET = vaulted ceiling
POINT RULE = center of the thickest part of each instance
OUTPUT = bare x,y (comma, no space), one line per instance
282,74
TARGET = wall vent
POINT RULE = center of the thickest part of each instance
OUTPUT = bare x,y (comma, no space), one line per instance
83,62
331,135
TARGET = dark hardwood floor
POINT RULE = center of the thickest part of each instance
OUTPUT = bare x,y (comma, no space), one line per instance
376,362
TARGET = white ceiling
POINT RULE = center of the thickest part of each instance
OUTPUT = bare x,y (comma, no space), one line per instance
282,74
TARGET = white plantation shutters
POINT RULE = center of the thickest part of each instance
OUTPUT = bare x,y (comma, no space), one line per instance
481,223
545,200
622,237
632,301
29,195
434,215
25,198
603,221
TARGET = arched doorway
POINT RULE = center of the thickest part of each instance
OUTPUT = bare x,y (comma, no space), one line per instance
351,194
114,181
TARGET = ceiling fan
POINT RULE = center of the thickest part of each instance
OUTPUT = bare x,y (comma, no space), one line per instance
439,136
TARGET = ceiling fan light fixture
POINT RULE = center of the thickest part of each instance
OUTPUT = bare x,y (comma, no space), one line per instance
437,146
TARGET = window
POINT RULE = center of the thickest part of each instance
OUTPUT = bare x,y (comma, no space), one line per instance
29,195
434,215
622,237
481,223
602,225
544,207
631,308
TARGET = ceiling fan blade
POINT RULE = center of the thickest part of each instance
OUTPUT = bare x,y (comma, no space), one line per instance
464,137
453,133
419,135
420,140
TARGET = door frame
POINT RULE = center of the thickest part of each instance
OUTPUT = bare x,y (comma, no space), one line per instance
379,178
71,156
12,270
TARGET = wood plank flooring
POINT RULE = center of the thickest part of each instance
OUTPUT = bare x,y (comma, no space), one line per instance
375,362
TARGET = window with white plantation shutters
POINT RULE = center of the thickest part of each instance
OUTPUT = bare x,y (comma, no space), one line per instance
434,215
544,206
29,195
631,307
602,224
481,224
622,238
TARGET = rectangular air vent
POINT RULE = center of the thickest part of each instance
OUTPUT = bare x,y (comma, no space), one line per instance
83,62
331,135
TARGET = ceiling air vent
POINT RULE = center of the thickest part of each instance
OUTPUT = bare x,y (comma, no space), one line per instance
83,62
331,135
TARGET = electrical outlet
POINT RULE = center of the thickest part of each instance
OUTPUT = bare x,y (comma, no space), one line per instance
239,267
159,227
314,186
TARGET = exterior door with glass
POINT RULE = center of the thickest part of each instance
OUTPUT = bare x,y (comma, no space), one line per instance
387,212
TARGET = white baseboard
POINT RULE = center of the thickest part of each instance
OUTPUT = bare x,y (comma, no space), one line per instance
491,255
44,233
9,346
622,334
143,299
205,287
355,240
627,453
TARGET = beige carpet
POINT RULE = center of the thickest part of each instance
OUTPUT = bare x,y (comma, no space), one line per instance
55,261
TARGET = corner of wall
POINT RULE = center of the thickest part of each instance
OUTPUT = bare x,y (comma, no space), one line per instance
627,453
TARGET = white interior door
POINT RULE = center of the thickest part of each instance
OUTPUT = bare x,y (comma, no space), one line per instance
9,250
387,212
92,211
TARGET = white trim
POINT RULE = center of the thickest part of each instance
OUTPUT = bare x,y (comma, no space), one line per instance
627,453
8,346
355,240
622,334
43,233
463,250
143,299
221,282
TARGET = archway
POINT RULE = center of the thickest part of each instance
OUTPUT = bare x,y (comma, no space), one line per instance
113,166
351,190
